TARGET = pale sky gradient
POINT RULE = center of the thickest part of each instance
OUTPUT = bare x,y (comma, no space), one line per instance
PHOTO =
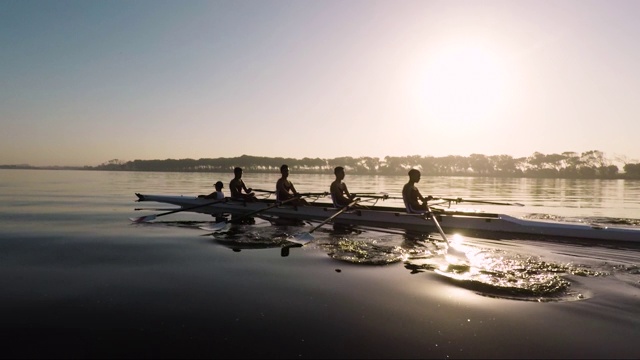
84,82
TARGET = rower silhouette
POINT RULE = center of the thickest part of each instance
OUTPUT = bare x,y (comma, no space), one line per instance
236,186
340,194
414,202
285,189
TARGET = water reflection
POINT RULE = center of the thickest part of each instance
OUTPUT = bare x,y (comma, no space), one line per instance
592,220
496,268
247,236
492,272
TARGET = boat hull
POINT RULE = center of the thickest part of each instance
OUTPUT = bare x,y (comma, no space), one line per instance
471,223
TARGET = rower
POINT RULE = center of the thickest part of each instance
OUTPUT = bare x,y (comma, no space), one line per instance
414,202
237,186
340,195
285,189
216,195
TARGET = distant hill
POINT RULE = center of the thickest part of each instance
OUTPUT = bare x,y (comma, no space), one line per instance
588,165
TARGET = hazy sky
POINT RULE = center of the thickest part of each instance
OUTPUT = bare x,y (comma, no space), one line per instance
84,82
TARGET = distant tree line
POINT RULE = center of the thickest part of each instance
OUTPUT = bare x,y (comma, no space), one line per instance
587,165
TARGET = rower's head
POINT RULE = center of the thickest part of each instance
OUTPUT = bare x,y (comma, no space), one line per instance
414,175
219,185
339,172
284,170
237,172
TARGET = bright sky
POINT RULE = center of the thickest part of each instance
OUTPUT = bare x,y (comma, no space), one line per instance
84,82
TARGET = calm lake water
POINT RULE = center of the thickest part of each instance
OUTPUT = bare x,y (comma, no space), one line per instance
79,279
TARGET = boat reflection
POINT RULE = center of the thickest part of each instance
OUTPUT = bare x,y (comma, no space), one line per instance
496,268
252,236
493,271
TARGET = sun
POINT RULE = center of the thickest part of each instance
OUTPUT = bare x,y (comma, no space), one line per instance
463,84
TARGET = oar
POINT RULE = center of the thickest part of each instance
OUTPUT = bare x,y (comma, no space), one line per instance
265,191
373,196
459,200
450,250
300,194
304,238
222,224
386,196
155,209
152,217
325,193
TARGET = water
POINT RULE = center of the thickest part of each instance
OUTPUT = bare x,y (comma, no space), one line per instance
80,280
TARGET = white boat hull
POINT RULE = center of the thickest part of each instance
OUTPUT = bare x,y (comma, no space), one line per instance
396,218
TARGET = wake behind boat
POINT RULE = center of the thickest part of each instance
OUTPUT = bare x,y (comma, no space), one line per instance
389,217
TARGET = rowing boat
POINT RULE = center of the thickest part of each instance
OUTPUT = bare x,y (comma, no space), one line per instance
389,217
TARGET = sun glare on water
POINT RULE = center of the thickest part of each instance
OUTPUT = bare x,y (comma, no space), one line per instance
463,84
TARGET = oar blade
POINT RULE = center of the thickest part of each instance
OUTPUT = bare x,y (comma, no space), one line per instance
301,238
142,219
456,256
216,227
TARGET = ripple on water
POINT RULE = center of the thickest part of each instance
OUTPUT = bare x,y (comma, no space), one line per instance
489,272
